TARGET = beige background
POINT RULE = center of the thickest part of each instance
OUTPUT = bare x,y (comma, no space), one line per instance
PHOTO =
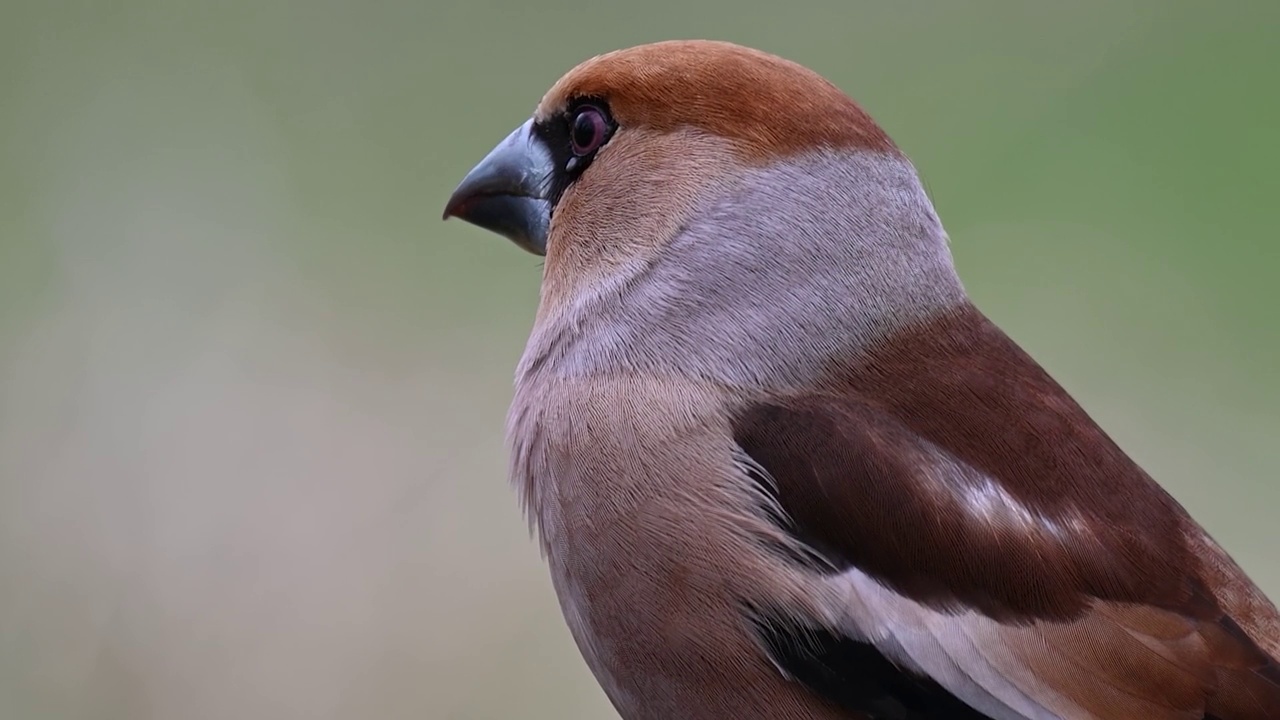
252,390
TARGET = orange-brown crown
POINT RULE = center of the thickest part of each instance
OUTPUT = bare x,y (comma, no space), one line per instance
768,106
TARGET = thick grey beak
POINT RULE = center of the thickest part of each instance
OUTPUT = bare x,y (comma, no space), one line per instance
507,192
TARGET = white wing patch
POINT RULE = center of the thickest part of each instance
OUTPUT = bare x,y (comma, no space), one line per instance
992,505
963,652
982,499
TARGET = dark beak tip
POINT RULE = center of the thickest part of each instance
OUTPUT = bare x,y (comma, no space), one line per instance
455,207
502,193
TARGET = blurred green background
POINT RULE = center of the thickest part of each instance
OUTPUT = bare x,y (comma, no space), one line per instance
252,389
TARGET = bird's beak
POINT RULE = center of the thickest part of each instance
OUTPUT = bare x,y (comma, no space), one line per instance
507,192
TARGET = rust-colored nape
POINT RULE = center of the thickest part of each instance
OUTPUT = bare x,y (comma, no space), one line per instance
770,107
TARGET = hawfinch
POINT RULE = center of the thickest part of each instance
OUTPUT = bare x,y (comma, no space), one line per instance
781,467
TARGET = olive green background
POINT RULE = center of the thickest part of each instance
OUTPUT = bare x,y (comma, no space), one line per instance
252,389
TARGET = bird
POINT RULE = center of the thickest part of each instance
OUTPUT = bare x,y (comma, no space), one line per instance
779,463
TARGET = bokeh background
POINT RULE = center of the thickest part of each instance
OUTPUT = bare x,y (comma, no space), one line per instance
252,389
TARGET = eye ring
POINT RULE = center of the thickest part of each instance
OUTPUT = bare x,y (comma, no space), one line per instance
588,130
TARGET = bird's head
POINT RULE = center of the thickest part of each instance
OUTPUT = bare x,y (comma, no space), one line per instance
711,155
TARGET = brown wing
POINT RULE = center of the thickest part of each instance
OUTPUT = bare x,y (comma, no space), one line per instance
994,541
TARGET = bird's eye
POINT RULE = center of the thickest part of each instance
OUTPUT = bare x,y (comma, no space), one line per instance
588,130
